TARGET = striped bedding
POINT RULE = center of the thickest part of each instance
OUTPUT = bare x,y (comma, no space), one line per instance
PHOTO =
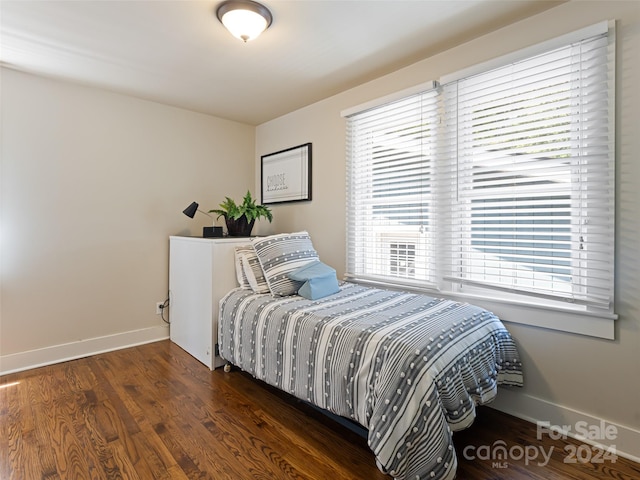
407,367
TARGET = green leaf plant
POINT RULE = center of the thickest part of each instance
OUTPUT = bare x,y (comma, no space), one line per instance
230,209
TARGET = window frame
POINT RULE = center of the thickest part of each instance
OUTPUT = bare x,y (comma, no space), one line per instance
517,308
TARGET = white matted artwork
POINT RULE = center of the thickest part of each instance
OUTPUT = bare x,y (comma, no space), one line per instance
286,175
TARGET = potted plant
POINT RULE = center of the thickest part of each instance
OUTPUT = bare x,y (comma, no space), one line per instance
240,218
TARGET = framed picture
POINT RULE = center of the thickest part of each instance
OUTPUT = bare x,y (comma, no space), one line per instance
286,175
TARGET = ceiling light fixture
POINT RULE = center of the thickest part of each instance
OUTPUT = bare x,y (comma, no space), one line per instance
245,19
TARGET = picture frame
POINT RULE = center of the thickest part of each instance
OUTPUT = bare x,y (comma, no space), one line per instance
286,175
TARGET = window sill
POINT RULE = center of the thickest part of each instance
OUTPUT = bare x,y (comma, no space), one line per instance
554,318
510,311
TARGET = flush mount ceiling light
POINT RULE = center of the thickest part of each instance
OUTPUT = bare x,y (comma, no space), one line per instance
245,19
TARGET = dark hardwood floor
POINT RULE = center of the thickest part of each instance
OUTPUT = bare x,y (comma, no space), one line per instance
154,412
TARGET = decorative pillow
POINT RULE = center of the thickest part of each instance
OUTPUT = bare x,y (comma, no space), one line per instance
319,279
281,254
253,271
243,281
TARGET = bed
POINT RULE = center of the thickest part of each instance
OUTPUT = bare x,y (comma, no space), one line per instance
407,367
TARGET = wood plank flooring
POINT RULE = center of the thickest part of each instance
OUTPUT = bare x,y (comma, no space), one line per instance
154,412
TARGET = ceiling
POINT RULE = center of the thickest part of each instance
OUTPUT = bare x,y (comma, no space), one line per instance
177,53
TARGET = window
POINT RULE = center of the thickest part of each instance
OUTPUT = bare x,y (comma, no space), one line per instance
499,183
402,259
390,214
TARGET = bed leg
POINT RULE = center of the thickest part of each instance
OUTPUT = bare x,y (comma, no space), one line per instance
227,367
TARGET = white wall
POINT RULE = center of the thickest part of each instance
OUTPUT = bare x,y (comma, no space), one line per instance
568,377
93,183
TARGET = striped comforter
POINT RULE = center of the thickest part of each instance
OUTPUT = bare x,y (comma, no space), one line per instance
408,367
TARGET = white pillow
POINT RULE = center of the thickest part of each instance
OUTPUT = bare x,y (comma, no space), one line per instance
240,273
253,271
281,254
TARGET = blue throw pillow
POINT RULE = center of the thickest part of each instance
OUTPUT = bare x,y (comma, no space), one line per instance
319,279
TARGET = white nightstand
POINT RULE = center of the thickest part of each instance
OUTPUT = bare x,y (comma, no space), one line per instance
201,272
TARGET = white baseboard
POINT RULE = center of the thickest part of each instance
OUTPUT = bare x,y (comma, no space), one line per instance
70,351
625,441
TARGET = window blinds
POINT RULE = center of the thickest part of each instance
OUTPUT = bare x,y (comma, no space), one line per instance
503,181
534,211
389,202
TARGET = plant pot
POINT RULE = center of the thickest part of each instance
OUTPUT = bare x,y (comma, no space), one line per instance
239,227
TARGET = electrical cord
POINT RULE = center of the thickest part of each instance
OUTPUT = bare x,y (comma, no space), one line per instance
163,307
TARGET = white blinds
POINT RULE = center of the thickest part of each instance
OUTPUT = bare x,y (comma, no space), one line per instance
502,181
535,168
390,178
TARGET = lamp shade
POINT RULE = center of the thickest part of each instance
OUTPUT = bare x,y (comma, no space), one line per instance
207,232
245,19
191,210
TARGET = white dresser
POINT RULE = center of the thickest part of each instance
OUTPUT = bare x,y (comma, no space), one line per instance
201,272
